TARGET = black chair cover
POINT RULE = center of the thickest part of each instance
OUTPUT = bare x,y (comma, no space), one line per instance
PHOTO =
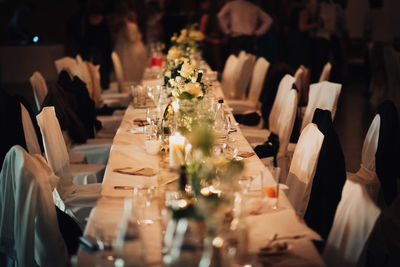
330,176
387,158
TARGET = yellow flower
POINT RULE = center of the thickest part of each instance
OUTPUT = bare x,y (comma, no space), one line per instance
187,69
173,53
194,89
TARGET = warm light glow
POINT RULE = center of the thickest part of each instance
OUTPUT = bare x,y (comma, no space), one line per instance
205,191
182,203
218,242
175,105
176,149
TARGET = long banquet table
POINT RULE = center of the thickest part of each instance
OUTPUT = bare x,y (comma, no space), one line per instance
128,150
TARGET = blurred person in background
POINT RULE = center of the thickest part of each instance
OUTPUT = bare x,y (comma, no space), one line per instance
154,28
212,43
302,27
96,44
130,48
243,22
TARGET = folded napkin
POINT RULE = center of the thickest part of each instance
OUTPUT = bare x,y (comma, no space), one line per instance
131,171
245,154
282,224
140,122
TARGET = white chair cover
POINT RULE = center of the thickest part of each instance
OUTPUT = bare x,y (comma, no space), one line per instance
57,153
284,87
119,72
31,140
29,233
303,166
94,71
228,74
366,175
76,200
322,95
39,86
354,220
252,102
257,79
298,78
326,72
83,73
68,64
243,75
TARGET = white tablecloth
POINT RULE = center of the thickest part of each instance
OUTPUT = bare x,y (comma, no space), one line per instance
128,151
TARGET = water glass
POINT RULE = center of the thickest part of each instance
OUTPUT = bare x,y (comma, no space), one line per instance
270,189
139,94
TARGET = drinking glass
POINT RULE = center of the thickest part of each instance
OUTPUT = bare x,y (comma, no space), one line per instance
270,189
143,198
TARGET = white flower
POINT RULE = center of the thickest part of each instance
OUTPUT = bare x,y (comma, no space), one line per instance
187,70
194,89
173,53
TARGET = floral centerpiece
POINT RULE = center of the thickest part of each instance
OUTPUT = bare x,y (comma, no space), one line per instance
188,40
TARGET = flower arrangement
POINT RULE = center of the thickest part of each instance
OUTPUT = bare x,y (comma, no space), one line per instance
188,40
184,79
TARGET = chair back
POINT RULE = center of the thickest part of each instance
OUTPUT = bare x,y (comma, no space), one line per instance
243,75
326,72
354,220
285,121
303,166
119,72
94,71
28,221
257,80
53,141
298,78
68,64
39,87
284,87
228,76
31,140
84,74
323,95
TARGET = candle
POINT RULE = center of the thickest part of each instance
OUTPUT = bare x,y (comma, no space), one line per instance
176,150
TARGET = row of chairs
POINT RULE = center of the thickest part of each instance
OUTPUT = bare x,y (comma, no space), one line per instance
68,177
342,207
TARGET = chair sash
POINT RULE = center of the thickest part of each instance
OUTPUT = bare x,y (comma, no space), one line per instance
31,139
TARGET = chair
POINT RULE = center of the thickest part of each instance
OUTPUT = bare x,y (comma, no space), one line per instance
303,166
227,81
329,178
243,74
323,95
326,72
354,220
255,135
68,64
75,200
31,139
379,157
29,233
283,128
94,151
252,103
284,87
39,87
